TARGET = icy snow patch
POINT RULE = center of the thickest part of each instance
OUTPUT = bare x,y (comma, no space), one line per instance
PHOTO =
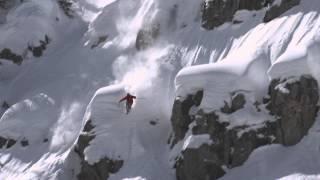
195,141
282,86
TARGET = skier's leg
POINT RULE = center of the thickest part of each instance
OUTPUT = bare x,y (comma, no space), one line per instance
128,108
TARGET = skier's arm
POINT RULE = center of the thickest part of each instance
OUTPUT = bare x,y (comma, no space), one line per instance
122,99
134,97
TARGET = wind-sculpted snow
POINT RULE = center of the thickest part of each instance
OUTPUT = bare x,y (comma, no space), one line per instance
107,114
119,136
219,79
282,48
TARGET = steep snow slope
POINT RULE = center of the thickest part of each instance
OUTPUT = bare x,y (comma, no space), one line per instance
51,95
130,138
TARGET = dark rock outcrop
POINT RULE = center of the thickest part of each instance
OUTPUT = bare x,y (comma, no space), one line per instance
5,105
201,167
253,4
37,51
100,40
7,54
66,6
237,102
180,118
147,35
100,170
229,148
293,108
217,12
6,142
276,10
24,142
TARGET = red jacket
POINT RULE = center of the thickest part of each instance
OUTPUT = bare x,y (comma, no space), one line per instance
129,98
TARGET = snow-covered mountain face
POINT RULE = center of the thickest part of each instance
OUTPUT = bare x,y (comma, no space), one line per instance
225,89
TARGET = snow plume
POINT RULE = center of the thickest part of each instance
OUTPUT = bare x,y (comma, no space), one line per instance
138,71
63,130
146,74
134,19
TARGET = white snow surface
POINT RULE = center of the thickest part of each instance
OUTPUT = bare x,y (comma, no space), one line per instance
55,95
27,24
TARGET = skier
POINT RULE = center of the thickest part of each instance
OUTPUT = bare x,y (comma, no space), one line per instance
129,98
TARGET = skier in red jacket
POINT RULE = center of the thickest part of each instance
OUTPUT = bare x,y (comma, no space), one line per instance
129,98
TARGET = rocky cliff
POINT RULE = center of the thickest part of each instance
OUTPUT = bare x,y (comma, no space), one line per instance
217,12
100,170
289,110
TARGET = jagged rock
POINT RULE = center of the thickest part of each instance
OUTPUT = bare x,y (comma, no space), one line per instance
3,142
24,142
237,102
197,164
100,170
10,143
180,118
217,12
5,105
276,10
153,123
6,142
146,36
66,6
229,149
37,51
101,40
7,54
292,102
253,4
295,106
